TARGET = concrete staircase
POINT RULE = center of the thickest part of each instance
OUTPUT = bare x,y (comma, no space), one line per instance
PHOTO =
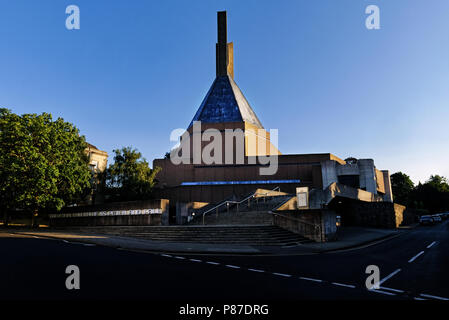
244,235
237,218
254,211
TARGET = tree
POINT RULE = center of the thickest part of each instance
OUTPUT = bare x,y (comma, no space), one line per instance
43,164
402,186
432,195
438,183
130,176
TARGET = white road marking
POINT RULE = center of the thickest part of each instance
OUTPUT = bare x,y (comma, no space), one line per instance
433,297
282,274
391,289
389,276
89,244
343,285
415,257
431,245
318,280
65,241
383,292
310,279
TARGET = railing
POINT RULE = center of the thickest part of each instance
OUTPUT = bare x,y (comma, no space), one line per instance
228,202
317,234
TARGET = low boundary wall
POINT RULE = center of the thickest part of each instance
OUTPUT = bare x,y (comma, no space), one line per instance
142,213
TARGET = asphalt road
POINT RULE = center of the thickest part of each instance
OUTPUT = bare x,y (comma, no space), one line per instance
413,266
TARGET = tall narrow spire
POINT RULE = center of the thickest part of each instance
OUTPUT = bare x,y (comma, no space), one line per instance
225,54
225,102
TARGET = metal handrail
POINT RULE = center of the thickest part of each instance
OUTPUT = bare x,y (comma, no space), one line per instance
227,202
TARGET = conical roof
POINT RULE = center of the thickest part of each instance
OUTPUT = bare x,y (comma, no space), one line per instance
225,102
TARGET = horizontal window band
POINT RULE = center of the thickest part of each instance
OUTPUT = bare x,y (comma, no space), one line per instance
215,183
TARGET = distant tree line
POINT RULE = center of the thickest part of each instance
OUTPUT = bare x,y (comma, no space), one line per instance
431,196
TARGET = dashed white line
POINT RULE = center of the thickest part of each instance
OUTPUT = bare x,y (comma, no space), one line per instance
433,297
391,289
422,296
310,279
415,257
431,245
282,274
343,285
383,292
389,276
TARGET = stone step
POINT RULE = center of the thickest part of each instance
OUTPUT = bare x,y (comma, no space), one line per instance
245,235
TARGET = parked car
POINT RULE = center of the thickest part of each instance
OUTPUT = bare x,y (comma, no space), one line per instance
445,215
437,218
426,220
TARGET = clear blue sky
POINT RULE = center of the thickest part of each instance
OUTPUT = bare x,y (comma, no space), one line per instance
136,70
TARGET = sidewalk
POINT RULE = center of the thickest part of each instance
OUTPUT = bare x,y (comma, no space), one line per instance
350,237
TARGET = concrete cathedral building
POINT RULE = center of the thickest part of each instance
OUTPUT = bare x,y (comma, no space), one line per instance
227,171
322,178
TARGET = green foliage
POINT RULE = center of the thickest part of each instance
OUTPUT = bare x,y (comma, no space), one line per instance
438,183
433,195
429,197
130,176
42,162
402,186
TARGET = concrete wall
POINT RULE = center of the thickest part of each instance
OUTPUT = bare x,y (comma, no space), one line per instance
329,172
148,212
125,220
374,214
184,210
306,168
367,175
388,191
317,225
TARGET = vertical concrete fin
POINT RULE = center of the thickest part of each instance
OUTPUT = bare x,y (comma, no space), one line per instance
231,60
222,47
